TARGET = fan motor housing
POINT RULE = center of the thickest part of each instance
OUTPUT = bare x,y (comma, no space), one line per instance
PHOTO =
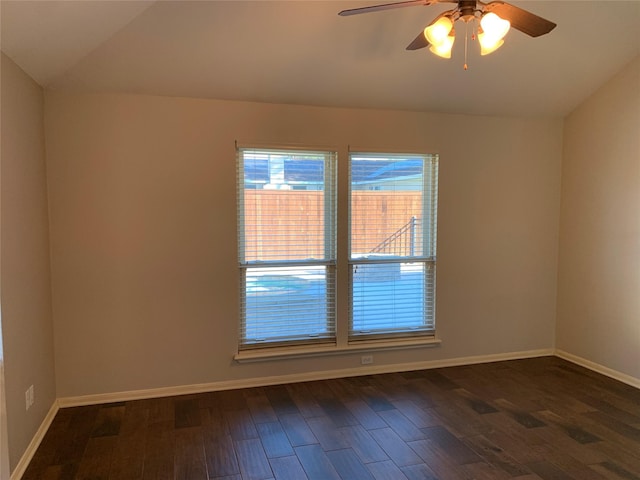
467,9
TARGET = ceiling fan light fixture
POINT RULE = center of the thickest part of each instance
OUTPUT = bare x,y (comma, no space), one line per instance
493,27
438,32
491,32
443,49
488,46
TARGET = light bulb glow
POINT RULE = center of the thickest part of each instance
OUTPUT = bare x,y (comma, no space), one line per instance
438,31
443,49
494,26
493,31
487,46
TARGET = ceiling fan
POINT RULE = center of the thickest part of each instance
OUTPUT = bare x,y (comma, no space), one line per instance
495,18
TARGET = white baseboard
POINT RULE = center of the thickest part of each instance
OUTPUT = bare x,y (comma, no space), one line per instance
301,377
22,465
596,367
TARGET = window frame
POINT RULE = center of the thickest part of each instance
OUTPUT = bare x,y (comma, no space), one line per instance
339,265
328,262
428,248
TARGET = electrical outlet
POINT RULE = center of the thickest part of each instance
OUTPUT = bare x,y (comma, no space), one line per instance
366,359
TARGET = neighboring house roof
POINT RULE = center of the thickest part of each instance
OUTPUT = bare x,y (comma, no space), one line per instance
311,172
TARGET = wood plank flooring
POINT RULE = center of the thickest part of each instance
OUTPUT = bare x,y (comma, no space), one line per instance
541,418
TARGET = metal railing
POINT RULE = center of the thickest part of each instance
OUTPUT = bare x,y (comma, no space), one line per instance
401,242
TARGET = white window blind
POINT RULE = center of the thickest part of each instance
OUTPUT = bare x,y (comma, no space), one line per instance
392,245
287,245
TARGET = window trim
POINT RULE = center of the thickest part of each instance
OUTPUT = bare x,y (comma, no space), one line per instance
329,261
341,343
293,352
429,206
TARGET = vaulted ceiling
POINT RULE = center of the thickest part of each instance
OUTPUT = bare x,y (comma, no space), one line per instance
302,52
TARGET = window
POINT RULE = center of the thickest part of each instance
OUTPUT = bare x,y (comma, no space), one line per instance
393,245
287,214
286,247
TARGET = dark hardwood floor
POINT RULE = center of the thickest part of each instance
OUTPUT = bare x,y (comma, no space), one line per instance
540,418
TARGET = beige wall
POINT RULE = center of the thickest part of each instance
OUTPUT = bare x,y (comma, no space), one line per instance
599,268
26,293
143,232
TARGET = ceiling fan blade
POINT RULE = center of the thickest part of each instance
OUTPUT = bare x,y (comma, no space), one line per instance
419,42
520,19
385,6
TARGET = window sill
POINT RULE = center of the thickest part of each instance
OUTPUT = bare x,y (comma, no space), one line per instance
286,353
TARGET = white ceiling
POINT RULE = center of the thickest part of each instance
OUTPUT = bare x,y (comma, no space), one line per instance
302,52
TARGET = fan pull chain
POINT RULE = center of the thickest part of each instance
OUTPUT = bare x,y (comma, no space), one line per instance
466,42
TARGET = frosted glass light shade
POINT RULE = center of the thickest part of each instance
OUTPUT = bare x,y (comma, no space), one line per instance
438,31
488,46
493,29
443,49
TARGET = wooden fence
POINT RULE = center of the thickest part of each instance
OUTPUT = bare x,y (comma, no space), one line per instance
297,218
